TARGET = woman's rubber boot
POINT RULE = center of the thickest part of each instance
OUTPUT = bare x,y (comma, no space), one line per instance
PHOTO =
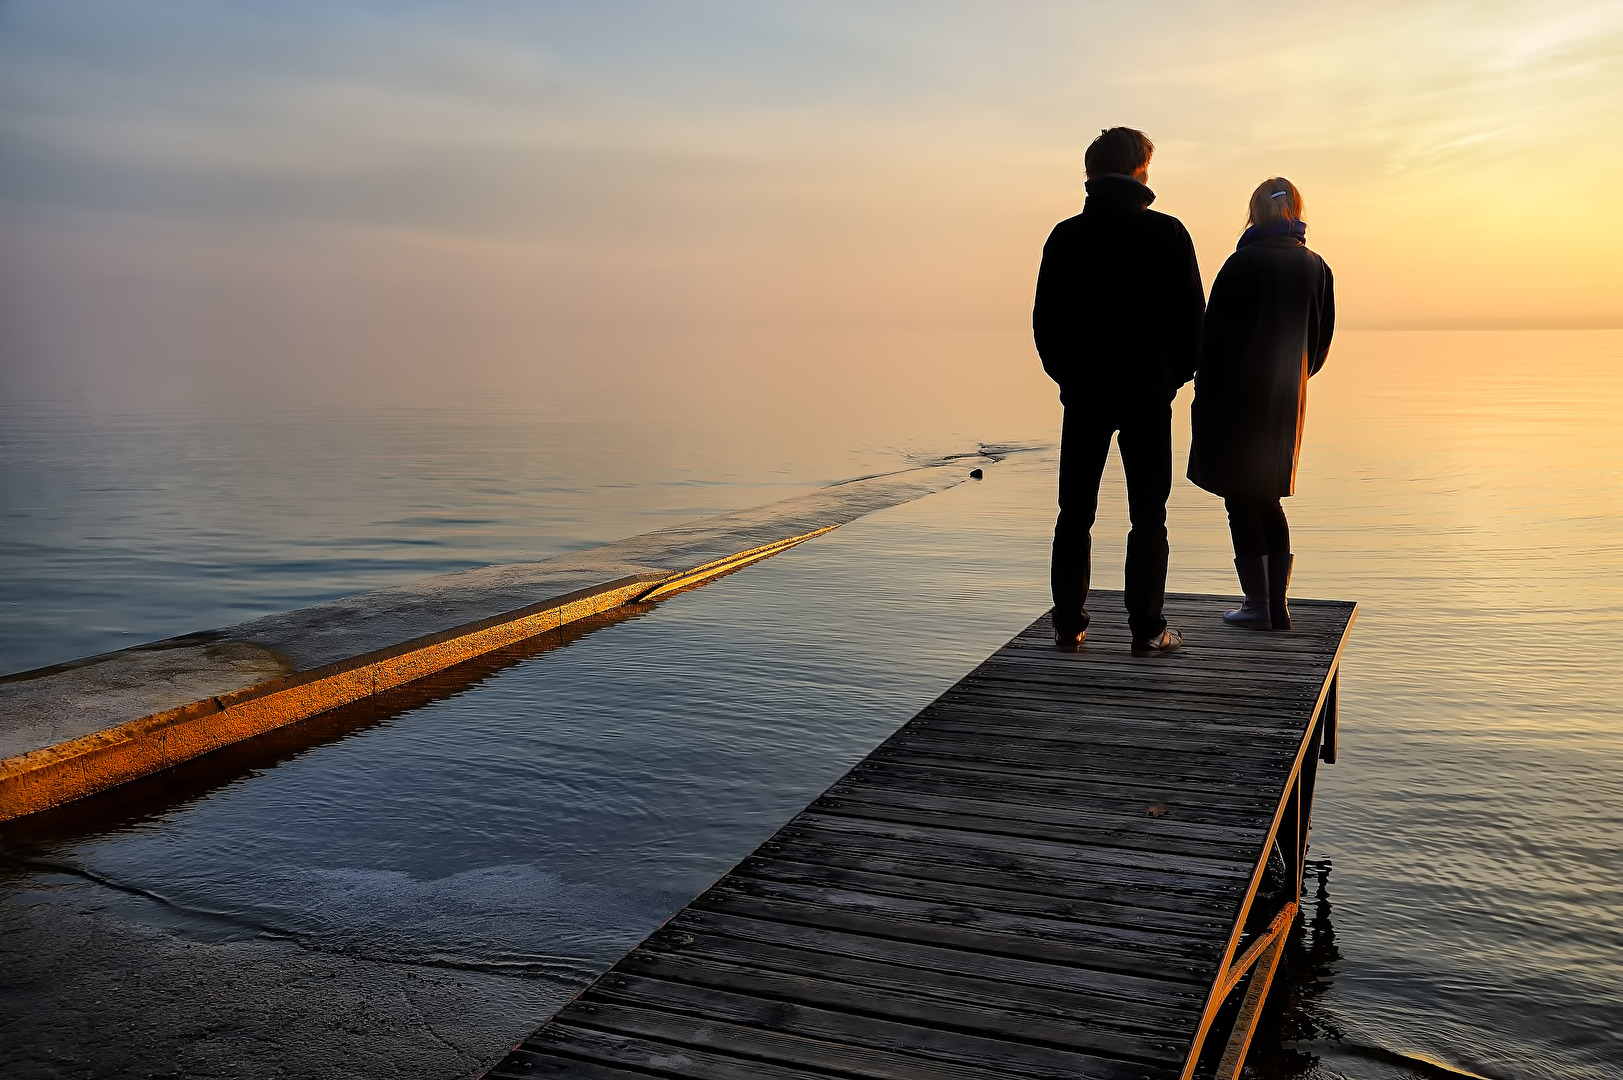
1279,579
1253,613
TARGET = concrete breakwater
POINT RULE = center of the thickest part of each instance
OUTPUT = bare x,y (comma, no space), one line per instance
73,729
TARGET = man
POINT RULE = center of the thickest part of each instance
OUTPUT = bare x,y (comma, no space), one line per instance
1117,323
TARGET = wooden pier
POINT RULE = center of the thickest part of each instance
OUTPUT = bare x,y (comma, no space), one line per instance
1059,868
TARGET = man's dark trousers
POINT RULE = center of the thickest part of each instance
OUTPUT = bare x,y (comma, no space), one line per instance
1145,439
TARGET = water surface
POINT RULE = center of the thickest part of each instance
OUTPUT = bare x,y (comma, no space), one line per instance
524,826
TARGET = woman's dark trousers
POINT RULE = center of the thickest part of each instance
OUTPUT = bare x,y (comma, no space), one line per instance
1257,527
1144,434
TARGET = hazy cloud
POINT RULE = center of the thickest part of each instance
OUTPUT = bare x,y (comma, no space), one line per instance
225,186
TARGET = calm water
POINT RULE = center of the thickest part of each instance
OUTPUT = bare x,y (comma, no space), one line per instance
522,828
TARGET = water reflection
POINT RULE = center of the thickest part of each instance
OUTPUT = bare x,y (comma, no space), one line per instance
1298,1034
1295,1013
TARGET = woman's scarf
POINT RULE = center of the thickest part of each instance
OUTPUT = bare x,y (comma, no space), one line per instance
1283,227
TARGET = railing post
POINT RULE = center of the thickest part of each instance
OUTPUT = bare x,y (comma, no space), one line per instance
1327,722
1305,783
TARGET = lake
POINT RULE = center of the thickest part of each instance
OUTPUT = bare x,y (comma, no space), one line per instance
419,882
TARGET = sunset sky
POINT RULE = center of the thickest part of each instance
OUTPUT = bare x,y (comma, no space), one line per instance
300,187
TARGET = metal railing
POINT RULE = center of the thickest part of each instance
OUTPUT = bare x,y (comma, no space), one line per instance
1260,959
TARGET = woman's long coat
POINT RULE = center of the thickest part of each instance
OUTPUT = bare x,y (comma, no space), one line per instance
1268,329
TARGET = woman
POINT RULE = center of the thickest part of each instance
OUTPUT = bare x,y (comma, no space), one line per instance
1268,329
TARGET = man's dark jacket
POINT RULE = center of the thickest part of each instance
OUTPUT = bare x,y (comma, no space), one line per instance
1119,301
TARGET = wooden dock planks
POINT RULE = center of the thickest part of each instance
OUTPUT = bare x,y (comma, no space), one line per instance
1049,872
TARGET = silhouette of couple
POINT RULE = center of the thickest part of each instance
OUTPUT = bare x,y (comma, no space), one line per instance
1121,322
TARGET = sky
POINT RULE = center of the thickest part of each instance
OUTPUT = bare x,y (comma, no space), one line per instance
367,198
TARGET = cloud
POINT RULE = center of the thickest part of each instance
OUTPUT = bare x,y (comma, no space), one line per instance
274,182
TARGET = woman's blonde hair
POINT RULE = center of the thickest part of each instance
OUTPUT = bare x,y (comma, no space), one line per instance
1275,199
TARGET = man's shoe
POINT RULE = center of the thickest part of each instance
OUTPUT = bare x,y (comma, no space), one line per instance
1069,640
1279,579
1164,642
1252,614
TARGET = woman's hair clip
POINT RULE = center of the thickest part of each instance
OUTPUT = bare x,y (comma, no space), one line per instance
1279,195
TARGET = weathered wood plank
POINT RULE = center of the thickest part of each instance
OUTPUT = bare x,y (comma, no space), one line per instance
953,835
1232,796
1141,731
671,1044
1248,756
1165,889
993,895
994,696
1119,833
1047,789
1245,755
1166,1000
986,755
1120,824
1143,709
1293,677
1162,949
645,979
1126,697
634,994
928,974
1008,940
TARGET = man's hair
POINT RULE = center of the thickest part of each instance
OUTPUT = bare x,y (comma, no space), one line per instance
1118,150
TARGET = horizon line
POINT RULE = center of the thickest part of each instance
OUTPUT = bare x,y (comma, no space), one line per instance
1594,323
